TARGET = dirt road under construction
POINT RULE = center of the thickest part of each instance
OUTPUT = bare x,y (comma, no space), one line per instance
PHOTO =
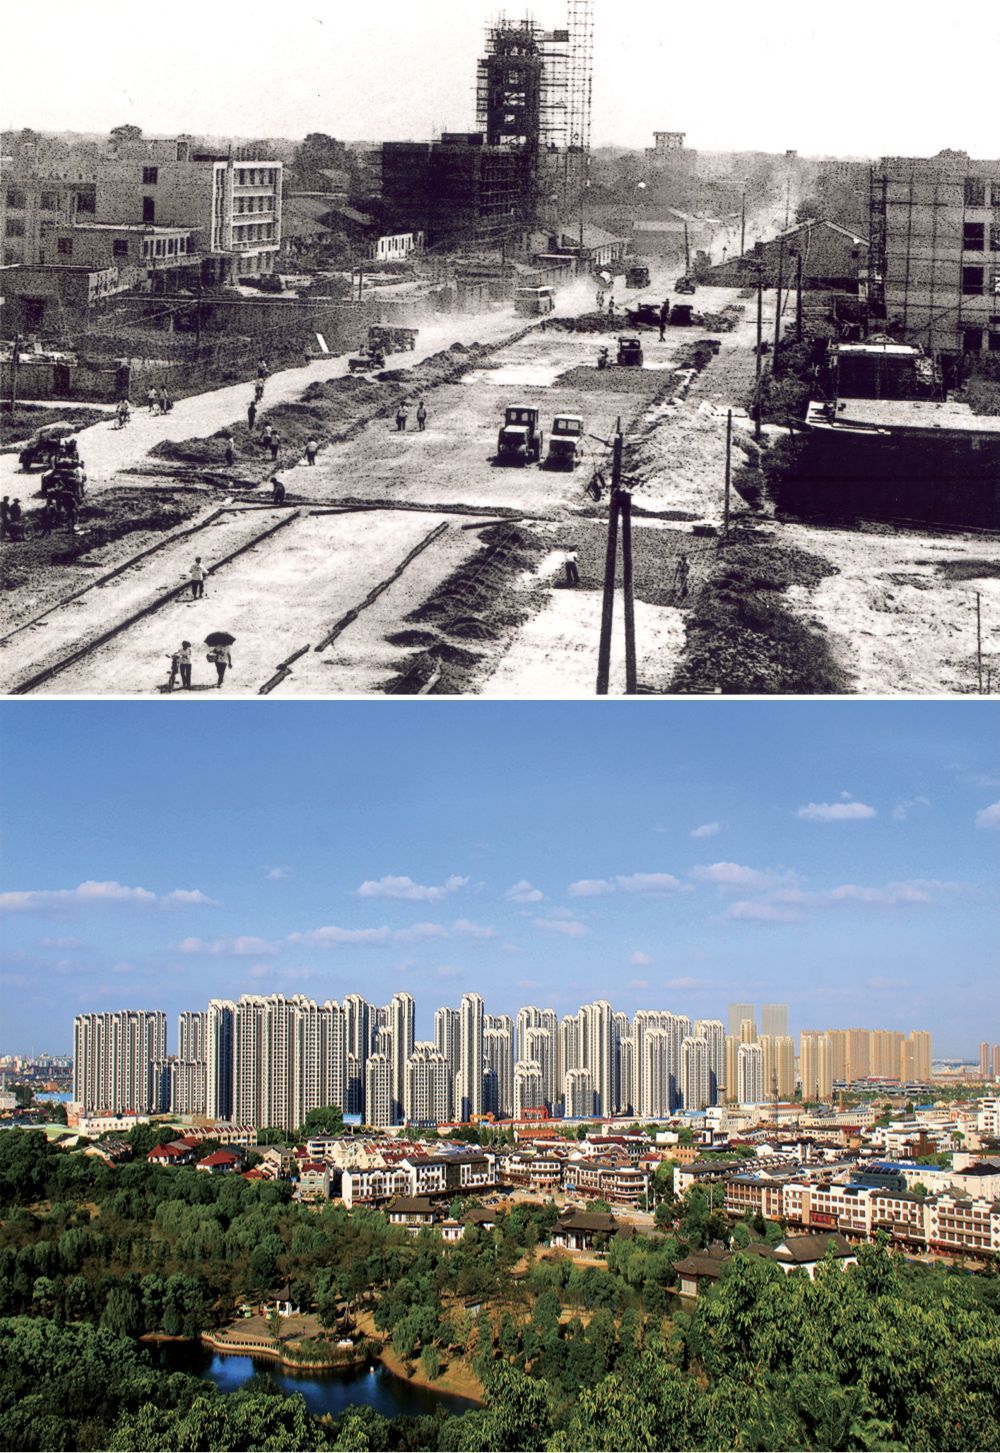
411,561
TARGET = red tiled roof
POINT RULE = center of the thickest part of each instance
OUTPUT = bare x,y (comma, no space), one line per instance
219,1157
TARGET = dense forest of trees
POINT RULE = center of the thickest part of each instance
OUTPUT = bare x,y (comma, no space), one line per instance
884,1355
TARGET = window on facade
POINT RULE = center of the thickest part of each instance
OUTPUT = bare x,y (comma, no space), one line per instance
972,340
119,248
150,176
973,237
86,201
972,281
995,236
64,246
16,200
49,202
14,227
975,192
148,209
994,343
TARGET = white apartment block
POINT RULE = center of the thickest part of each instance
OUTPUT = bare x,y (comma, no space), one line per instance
113,1062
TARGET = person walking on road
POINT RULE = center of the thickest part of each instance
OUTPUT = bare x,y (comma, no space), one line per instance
275,443
421,416
4,516
198,574
124,413
611,308
230,453
251,414
664,318
166,402
312,449
262,368
258,390
153,399
572,567
277,491
682,576
221,658
184,662
402,414
14,518
265,437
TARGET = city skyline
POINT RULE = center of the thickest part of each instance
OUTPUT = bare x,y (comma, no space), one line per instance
307,77
838,858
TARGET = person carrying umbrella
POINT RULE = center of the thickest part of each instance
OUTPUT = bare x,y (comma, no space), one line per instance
219,655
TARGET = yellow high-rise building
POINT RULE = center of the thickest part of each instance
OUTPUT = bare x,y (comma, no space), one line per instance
779,1065
815,1065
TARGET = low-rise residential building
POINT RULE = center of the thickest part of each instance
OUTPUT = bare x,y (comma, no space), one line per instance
220,1162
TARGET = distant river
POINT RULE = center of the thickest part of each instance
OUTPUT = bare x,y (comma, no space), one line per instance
324,1392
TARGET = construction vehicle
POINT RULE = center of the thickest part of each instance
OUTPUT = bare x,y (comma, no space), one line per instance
45,446
565,442
532,302
369,357
643,315
629,351
637,277
685,285
389,339
520,439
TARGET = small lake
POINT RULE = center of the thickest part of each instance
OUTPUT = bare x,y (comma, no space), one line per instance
324,1392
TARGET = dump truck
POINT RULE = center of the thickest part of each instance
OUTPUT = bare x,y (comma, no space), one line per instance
643,315
565,442
630,351
637,277
46,445
520,439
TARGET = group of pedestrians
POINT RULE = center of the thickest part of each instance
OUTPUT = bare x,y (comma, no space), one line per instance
610,301
403,414
181,663
158,399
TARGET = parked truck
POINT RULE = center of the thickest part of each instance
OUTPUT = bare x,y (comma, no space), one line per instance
637,277
520,439
565,442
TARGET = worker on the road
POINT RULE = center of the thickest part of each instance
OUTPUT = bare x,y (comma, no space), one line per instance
600,300
421,416
611,308
166,402
14,519
682,575
198,573
251,414
262,368
152,398
572,567
277,491
402,414
230,453
258,390
265,437
312,449
184,662
124,413
275,443
664,318
4,516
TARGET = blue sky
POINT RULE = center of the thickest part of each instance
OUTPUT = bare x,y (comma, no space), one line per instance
840,856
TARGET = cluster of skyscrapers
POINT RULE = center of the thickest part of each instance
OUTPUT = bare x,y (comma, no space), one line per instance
268,1060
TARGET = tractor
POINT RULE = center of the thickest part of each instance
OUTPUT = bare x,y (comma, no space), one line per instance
565,442
520,439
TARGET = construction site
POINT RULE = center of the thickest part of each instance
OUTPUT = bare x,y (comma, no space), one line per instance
543,463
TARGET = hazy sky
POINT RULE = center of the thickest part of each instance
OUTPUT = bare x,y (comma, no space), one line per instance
897,78
840,856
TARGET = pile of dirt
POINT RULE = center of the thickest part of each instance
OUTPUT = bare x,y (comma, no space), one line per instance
24,421
724,322
615,380
961,570
587,323
475,603
112,515
743,640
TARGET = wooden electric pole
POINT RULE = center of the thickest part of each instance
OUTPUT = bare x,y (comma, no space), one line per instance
777,306
979,641
798,297
621,507
729,457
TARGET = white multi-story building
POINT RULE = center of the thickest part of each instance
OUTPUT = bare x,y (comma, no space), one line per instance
527,1086
114,1055
470,1053
402,1013
579,1094
694,1073
425,1097
713,1031
656,1075
540,1046
750,1074
498,1052
378,1091
446,1032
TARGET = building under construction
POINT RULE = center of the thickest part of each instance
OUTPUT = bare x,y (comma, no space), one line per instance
525,165
935,252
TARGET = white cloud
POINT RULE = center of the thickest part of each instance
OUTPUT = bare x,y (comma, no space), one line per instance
330,936
403,887
686,981
524,892
465,928
449,971
835,811
626,883
707,829
640,960
885,981
91,895
276,874
59,943
638,983
569,927
419,932
246,946
762,910
734,875
902,809
989,816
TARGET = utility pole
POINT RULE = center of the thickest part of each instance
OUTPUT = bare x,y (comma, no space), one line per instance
979,641
687,252
760,345
621,505
743,221
798,297
15,359
729,456
777,307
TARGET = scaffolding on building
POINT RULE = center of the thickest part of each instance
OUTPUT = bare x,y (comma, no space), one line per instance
533,86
